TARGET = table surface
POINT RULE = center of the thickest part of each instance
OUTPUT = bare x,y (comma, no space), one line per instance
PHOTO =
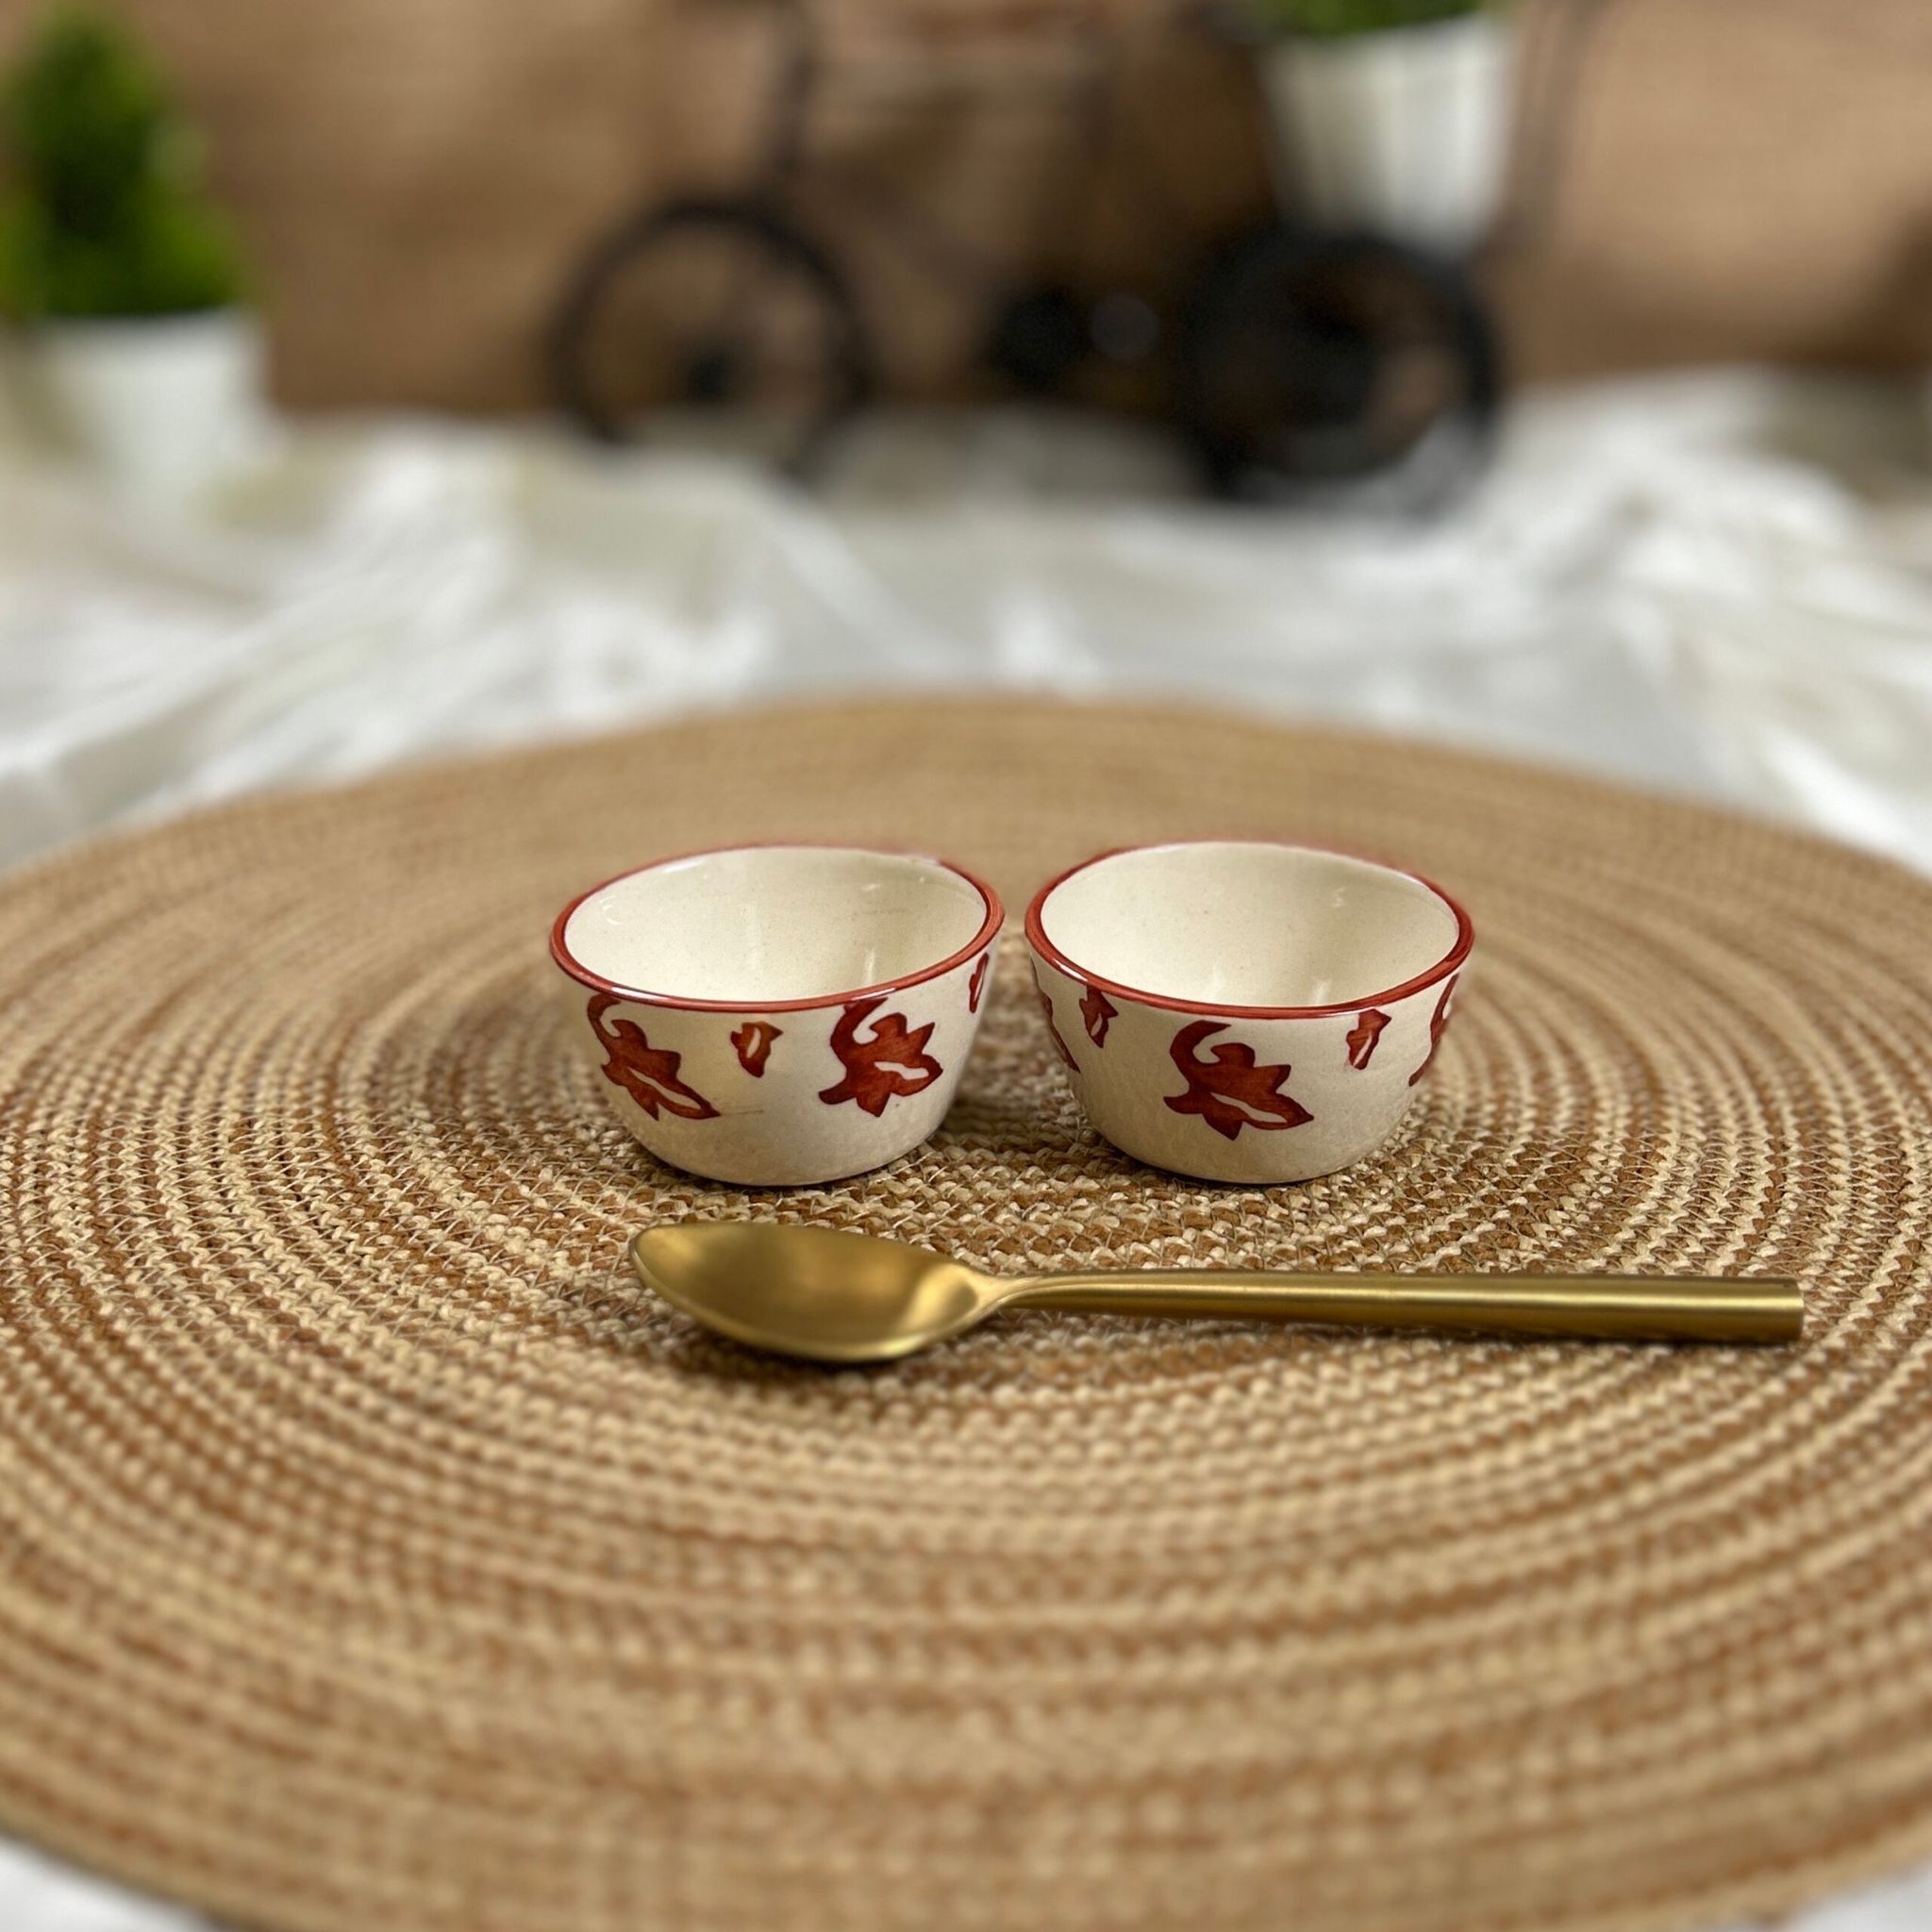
1717,584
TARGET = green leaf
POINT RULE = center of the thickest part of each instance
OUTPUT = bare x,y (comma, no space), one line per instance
103,209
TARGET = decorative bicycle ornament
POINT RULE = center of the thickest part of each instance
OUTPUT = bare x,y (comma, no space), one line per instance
1339,338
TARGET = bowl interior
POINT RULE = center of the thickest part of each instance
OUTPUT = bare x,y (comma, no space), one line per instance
1248,925
774,922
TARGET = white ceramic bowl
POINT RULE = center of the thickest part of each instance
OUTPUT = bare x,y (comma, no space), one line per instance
781,1014
1245,1012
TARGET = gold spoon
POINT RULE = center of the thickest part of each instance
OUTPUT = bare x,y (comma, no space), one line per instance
836,1298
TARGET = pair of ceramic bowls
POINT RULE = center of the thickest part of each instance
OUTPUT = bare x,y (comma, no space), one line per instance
775,1015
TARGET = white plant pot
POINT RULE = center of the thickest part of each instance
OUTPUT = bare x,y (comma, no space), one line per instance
159,407
1405,132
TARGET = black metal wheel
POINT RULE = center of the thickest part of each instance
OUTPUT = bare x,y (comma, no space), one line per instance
703,308
1309,362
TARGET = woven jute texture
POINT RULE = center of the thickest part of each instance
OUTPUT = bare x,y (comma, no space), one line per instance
378,1554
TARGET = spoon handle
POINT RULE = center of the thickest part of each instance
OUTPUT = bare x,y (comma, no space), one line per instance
1627,1308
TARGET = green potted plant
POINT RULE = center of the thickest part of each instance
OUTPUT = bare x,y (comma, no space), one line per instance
121,279
1391,114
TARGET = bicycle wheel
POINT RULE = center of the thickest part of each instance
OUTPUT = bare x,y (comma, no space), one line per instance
1311,361
714,315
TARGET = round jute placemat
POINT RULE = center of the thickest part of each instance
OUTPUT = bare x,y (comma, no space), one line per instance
378,1553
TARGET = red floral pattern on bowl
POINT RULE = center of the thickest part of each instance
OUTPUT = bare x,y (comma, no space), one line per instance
780,1015
1242,1011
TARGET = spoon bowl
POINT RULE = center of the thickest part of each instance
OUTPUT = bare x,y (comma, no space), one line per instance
825,1295
815,1292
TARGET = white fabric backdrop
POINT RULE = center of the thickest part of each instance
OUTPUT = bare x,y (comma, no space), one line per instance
1719,584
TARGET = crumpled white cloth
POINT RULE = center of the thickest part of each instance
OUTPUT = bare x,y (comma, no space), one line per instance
1718,583
1715,583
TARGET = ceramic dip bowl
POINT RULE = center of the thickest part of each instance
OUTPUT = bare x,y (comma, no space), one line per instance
1245,1012
780,1014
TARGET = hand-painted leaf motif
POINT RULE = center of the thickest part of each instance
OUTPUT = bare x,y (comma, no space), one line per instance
1098,1011
894,1061
648,1074
754,1043
1228,1090
1363,1035
1059,1045
977,984
1439,1019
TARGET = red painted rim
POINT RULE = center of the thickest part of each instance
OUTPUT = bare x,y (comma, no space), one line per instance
995,915
1450,962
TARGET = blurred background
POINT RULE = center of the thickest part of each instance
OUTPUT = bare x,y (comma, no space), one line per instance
414,179
393,379
383,380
